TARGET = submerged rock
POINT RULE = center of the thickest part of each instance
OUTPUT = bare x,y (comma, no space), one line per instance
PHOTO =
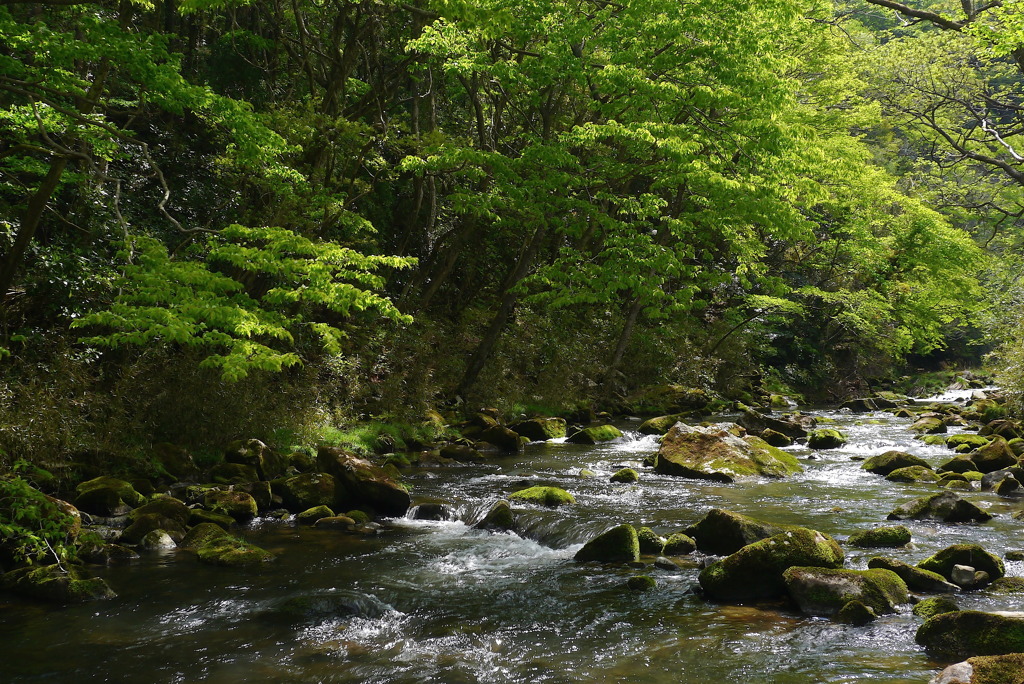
756,571
825,591
722,532
881,537
552,497
617,545
883,464
969,633
946,506
715,453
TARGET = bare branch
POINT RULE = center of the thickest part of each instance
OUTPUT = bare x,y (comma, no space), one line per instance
932,17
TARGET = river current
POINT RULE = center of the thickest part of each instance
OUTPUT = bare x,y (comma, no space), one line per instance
437,601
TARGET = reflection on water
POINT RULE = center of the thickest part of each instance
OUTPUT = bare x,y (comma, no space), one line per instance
460,605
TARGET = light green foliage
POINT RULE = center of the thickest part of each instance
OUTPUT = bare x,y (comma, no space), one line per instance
192,303
34,528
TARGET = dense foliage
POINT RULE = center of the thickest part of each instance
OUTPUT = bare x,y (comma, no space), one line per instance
360,207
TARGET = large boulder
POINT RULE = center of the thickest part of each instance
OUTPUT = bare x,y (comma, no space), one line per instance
916,578
498,519
304,491
56,584
755,571
165,506
929,424
824,591
364,482
502,439
883,464
252,452
239,505
964,554
595,435
966,439
722,532
881,537
540,429
945,506
915,473
715,453
618,545
107,496
969,633
1000,669
995,455
756,422
825,438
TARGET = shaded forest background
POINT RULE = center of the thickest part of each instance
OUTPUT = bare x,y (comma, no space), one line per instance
224,219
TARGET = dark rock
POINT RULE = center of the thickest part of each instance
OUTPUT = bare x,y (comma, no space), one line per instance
964,554
462,453
755,423
239,505
233,473
885,463
917,579
824,591
107,496
946,506
722,532
775,438
825,438
995,455
503,439
960,464
541,429
863,405
617,545
499,518
364,482
969,633
56,584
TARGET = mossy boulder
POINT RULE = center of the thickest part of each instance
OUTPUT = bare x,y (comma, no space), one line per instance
859,405
198,516
1007,585
626,476
335,522
233,473
913,474
462,453
232,552
540,429
651,542
552,497
664,399
881,537
503,439
972,555
824,591
998,669
968,633
679,544
363,482
203,534
618,545
935,605
960,464
756,422
239,505
722,532
150,522
1007,429
825,438
856,613
966,439
107,496
995,455
775,438
917,579
595,435
661,424
715,453
641,583
929,425
56,584
756,571
252,452
498,519
165,506
945,506
311,515
883,464
963,485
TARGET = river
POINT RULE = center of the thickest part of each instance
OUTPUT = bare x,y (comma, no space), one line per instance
441,602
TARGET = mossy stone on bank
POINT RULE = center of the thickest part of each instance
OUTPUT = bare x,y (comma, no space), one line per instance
56,584
552,497
617,545
881,537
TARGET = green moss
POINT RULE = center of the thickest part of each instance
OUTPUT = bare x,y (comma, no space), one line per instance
595,435
964,554
650,541
915,578
915,473
998,669
969,440
824,591
311,515
679,544
935,605
969,633
661,424
619,544
232,552
825,438
552,497
360,517
641,583
626,475
721,532
203,534
933,440
498,518
881,537
856,613
885,463
1007,585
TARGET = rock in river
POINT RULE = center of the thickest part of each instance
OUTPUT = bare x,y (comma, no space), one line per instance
715,453
946,506
969,633
825,591
722,532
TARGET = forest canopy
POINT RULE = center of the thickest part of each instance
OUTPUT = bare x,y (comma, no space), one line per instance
366,208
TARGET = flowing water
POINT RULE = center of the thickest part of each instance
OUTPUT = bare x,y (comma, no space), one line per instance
441,602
